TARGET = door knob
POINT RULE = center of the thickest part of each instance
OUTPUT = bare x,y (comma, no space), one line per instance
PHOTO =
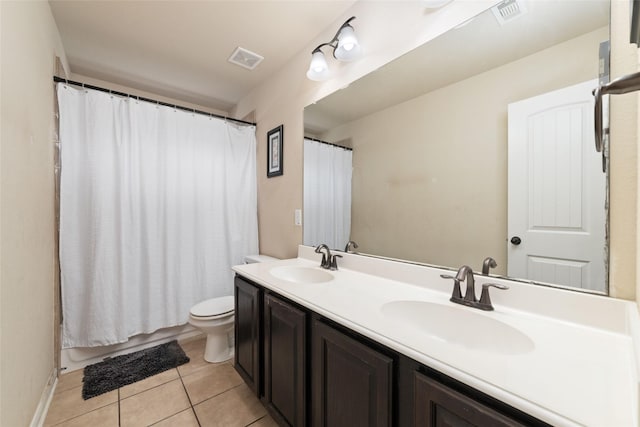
516,240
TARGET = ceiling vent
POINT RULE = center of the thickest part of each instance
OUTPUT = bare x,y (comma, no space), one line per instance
245,58
508,10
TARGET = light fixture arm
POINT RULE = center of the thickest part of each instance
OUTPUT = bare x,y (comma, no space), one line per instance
345,48
334,41
319,48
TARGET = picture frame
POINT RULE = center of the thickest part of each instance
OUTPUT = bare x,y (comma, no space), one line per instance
274,152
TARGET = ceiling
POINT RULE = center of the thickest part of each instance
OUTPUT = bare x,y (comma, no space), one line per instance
179,49
480,45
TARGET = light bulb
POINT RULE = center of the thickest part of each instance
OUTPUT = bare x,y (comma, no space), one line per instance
348,48
318,69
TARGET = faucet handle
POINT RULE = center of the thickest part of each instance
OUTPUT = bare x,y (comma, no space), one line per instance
333,265
485,300
456,295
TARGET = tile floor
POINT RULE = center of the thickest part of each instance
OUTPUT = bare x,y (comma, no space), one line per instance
195,394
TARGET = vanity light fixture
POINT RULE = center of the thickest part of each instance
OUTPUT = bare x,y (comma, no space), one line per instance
345,48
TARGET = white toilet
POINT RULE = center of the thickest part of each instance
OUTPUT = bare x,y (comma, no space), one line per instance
215,318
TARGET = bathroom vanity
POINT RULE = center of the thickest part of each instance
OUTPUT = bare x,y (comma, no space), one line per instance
378,343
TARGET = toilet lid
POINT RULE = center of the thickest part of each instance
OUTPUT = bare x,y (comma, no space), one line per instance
213,307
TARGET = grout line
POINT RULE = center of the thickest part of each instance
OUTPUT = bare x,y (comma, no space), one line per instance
261,418
119,420
147,389
189,399
172,415
221,393
83,413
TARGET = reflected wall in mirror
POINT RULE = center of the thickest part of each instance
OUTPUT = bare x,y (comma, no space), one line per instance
433,136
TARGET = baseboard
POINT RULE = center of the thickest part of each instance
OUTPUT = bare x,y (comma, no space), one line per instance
45,400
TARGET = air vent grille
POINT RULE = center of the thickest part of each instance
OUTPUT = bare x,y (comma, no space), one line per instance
508,10
245,58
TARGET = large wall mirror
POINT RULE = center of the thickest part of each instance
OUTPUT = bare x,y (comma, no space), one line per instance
478,143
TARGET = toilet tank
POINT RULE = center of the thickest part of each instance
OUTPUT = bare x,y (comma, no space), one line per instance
250,259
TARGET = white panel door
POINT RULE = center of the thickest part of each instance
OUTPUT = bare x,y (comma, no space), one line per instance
556,190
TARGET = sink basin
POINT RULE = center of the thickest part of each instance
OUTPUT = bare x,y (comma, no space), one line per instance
460,326
301,274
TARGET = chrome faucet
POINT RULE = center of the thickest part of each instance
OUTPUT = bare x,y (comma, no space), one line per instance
465,274
350,244
487,264
326,258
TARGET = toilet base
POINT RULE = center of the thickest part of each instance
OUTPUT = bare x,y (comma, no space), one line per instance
219,347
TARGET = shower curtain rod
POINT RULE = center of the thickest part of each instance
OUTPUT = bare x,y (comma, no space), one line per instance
328,143
153,101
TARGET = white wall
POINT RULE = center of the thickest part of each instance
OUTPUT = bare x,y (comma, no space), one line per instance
29,42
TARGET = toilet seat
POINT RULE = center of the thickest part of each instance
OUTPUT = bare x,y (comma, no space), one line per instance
213,308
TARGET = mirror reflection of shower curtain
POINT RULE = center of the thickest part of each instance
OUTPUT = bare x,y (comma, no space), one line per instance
327,194
156,205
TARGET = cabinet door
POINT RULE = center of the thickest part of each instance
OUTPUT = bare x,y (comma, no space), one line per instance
436,405
352,383
284,360
247,333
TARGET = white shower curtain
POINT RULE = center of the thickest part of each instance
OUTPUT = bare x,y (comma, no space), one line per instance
156,205
327,194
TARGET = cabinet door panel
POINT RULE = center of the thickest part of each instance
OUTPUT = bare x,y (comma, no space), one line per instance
284,358
436,405
352,383
247,333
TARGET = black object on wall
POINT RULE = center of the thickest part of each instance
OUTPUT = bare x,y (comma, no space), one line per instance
635,22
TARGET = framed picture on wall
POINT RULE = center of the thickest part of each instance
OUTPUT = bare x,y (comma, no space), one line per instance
274,152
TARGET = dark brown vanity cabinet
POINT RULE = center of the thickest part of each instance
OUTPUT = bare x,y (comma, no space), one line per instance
309,370
436,405
351,383
248,340
285,356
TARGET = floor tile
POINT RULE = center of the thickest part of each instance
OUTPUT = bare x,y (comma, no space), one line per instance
70,380
185,418
68,404
106,416
210,381
237,407
265,421
147,383
194,344
195,351
153,405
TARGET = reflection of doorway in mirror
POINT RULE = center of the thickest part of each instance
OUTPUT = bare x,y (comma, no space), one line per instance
557,190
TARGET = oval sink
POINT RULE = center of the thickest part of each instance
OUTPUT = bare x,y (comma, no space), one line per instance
459,325
301,274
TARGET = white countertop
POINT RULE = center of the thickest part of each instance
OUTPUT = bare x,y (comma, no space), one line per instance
581,369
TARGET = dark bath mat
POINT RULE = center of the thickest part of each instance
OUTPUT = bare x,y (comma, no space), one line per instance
119,371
